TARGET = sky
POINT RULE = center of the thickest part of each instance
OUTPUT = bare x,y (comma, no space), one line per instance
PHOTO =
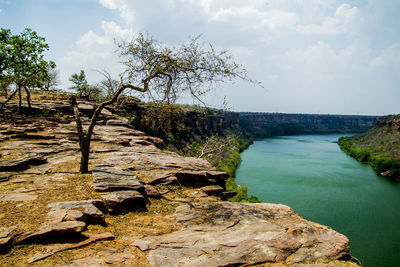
311,56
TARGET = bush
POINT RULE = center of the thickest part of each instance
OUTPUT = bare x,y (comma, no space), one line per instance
378,162
381,164
395,170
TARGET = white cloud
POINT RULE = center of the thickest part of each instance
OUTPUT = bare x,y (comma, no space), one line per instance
123,7
389,57
251,17
95,52
337,24
301,50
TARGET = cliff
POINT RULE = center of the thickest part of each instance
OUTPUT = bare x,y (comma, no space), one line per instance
139,206
176,123
181,125
273,124
378,147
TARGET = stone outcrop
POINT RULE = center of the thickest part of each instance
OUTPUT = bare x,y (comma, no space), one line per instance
180,220
232,234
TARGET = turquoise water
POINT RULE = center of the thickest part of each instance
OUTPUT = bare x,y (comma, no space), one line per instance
312,175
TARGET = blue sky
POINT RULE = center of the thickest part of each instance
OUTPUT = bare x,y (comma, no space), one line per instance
312,56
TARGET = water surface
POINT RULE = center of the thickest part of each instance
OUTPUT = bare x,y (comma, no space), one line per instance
312,175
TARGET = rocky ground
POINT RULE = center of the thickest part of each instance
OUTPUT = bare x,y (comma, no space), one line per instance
139,206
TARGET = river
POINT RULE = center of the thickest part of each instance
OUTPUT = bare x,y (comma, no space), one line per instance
320,182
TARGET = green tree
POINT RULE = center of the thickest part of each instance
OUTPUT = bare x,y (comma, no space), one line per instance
22,61
82,86
166,73
80,83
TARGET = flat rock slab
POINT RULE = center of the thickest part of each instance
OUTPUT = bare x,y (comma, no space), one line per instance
91,239
51,229
108,178
18,196
142,157
21,164
5,176
6,238
123,201
231,234
88,211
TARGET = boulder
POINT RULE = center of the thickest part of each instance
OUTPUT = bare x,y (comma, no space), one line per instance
213,190
232,234
152,192
124,201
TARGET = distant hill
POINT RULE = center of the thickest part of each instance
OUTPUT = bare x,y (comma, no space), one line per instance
379,146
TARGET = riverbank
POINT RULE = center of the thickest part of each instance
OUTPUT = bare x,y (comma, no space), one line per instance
378,147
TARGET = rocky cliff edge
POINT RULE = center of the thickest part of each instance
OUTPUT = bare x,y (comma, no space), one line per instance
140,206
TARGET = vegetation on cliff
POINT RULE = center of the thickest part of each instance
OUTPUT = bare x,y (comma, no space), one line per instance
378,147
196,132
225,156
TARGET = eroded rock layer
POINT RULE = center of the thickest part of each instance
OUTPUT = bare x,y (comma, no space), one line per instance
162,208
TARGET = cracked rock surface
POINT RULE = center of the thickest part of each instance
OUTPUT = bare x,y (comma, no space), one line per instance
140,206
231,234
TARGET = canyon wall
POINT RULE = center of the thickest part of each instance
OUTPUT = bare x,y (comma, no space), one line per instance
273,124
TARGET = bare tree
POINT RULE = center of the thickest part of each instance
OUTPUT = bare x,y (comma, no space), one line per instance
109,84
165,73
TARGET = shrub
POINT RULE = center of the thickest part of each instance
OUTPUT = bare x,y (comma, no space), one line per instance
395,169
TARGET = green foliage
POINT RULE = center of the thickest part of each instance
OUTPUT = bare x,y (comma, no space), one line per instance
378,162
80,83
226,159
22,61
83,88
395,169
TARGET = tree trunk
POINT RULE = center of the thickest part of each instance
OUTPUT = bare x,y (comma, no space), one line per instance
20,99
28,97
85,149
9,98
84,138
